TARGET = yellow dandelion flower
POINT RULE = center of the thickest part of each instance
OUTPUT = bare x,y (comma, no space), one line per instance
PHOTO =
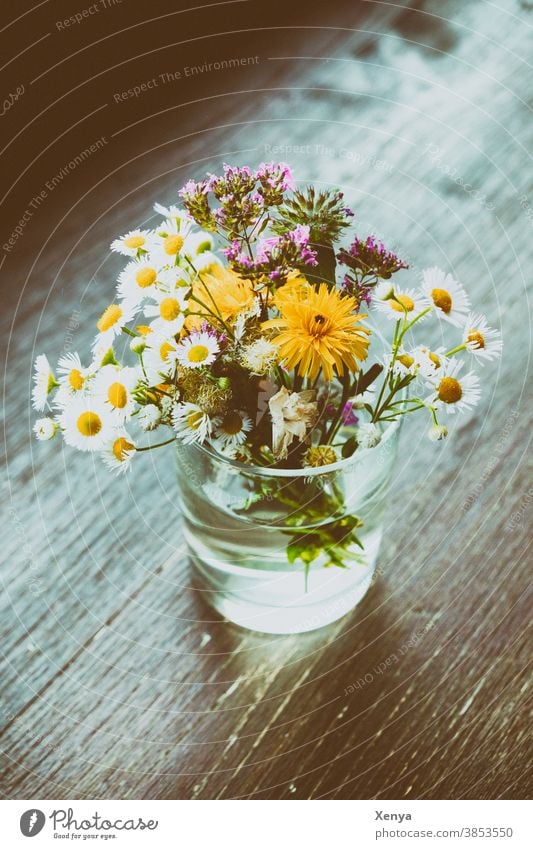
319,328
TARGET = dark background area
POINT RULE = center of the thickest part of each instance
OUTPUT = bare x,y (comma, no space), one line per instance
117,680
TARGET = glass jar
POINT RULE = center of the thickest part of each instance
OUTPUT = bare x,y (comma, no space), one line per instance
284,550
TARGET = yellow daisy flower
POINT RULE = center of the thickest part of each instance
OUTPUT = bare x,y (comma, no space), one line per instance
319,328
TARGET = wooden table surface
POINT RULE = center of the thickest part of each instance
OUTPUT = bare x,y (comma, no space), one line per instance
118,681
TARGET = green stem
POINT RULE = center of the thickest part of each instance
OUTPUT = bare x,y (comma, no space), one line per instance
158,445
456,350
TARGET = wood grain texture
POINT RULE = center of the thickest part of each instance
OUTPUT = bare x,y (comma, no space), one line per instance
118,681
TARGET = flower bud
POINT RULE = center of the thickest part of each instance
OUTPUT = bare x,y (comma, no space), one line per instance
437,432
138,345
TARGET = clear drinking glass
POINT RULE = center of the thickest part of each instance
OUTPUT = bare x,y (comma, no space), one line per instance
241,523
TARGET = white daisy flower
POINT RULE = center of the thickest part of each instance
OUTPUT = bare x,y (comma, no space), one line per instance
174,279
197,350
260,356
159,357
204,261
74,379
199,248
398,303
110,324
86,424
191,423
169,239
137,279
167,312
446,294
44,429
172,211
368,435
428,362
149,416
113,386
481,340
404,364
134,241
118,452
231,429
44,382
452,392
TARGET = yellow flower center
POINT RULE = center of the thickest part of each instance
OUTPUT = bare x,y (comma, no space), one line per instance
194,419
198,353
173,244
120,447
169,309
117,395
89,424
109,317
442,299
406,360
165,350
477,337
231,424
434,359
403,303
143,329
76,379
450,390
145,277
134,242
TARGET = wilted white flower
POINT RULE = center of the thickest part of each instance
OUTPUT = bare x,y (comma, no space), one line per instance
293,414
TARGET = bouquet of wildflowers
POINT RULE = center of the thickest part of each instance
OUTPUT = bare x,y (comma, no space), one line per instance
249,321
